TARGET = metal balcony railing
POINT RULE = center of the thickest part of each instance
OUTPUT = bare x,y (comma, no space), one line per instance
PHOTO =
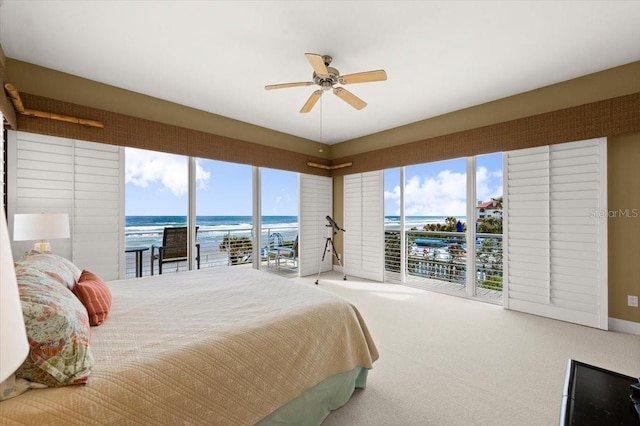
439,259
219,247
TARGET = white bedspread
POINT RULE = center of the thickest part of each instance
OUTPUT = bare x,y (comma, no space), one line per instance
222,346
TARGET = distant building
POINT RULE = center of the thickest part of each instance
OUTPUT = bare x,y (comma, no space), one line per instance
486,209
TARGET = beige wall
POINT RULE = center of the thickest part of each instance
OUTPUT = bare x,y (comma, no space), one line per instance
624,224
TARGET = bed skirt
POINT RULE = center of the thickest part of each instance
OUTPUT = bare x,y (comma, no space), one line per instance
313,406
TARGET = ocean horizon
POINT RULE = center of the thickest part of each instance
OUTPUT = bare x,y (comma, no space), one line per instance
146,230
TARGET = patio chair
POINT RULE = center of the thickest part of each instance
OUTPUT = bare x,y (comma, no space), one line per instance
173,248
287,254
275,240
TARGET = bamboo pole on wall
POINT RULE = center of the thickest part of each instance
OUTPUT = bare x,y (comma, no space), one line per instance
8,112
65,118
324,166
19,106
15,97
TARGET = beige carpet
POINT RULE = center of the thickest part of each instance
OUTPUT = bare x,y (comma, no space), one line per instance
446,360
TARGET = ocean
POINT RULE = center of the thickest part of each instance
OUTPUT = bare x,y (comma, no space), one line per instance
147,230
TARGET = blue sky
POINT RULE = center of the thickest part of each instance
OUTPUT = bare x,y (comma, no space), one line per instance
156,184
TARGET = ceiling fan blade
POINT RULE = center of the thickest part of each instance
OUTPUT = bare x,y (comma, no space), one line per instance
317,63
311,101
363,77
285,85
349,98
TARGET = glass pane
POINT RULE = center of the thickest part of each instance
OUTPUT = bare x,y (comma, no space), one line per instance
489,226
156,196
224,212
435,209
392,187
279,218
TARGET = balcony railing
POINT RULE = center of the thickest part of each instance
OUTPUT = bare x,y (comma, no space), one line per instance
432,258
219,247
439,259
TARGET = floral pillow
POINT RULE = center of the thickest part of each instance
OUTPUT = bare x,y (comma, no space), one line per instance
57,267
58,331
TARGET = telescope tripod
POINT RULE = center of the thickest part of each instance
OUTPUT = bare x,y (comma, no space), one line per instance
328,245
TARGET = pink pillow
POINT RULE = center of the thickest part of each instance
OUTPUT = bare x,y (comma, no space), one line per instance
95,295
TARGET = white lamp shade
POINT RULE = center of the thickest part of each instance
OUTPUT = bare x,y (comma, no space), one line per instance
40,226
14,346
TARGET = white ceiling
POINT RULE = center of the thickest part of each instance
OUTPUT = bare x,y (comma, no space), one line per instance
217,56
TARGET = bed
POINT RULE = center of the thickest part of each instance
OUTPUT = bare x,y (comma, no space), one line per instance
219,346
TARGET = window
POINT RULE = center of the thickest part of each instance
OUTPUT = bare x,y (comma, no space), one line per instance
279,206
224,209
156,196
488,227
429,217
435,206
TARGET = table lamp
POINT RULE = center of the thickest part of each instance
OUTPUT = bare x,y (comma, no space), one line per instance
41,226
13,336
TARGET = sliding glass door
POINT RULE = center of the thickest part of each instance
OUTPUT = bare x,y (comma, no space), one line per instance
443,220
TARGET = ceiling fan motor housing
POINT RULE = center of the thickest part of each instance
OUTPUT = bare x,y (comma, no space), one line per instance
328,81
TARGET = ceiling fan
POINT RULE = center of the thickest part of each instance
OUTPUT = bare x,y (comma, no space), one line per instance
327,77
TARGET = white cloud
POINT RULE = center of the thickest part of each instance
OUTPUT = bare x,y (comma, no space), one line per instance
282,202
488,184
444,194
144,168
440,195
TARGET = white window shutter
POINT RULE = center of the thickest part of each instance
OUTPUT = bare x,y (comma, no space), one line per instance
556,237
99,208
526,226
315,204
82,179
364,224
40,172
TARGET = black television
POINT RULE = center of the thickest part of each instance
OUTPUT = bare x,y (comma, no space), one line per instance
595,396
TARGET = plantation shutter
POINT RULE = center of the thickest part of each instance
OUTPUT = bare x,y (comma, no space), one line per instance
99,208
83,179
364,224
555,235
315,203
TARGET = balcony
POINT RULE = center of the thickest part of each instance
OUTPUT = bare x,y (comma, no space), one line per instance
219,247
438,261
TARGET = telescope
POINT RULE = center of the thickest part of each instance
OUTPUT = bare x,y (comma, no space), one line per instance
333,224
329,247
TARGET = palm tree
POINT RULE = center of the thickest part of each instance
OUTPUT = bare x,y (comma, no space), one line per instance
450,224
490,225
238,248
